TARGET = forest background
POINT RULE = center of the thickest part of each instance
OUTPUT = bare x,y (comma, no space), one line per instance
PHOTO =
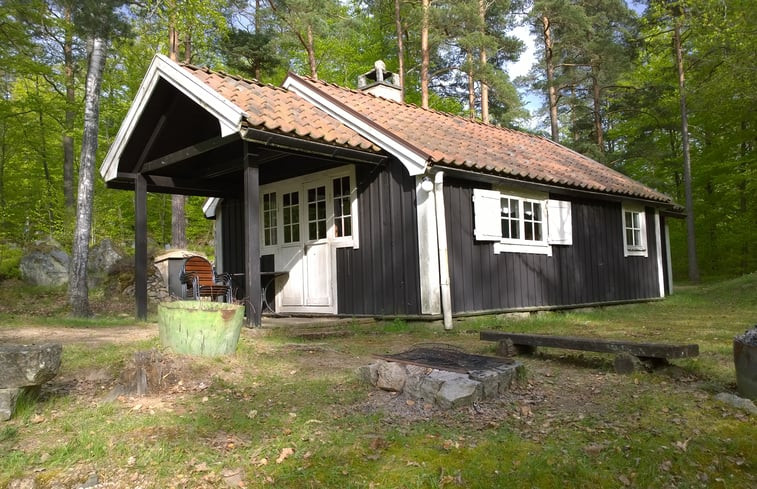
605,72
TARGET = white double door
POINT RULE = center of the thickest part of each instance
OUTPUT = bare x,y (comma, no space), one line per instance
307,249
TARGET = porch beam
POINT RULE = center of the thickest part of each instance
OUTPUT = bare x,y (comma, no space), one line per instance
282,141
172,185
140,246
252,237
192,151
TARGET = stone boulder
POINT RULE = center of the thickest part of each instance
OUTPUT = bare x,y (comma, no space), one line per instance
27,365
391,376
46,265
103,258
24,368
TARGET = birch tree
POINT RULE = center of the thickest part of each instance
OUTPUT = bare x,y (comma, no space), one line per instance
98,21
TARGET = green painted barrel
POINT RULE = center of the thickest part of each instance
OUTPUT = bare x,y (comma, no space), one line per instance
200,327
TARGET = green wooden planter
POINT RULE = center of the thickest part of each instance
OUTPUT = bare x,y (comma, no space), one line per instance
200,327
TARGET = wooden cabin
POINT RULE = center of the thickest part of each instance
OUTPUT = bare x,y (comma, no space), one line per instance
350,203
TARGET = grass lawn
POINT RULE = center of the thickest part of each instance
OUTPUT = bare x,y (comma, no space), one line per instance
285,412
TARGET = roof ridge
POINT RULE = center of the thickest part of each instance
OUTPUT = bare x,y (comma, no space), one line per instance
414,106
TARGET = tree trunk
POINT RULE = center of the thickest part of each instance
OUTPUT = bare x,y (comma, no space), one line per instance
173,41
425,54
471,89
311,53
188,48
690,236
483,60
78,292
400,48
3,152
256,63
178,213
596,95
70,116
550,68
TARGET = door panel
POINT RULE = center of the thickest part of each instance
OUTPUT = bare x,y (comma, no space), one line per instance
318,274
314,217
291,286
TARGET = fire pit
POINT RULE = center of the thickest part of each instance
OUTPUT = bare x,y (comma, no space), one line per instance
442,375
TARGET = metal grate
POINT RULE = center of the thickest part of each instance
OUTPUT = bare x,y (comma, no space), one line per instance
442,356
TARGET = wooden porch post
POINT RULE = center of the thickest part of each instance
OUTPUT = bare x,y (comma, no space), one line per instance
252,237
140,245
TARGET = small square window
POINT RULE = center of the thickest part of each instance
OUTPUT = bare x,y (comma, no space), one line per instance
634,232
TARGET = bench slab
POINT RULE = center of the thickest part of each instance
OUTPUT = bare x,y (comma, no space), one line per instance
641,350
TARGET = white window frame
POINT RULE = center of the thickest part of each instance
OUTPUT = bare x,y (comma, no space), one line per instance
299,184
556,221
273,214
640,248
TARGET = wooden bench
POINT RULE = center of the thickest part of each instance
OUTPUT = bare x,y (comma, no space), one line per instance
628,354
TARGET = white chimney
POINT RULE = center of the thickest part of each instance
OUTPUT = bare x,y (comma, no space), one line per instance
380,82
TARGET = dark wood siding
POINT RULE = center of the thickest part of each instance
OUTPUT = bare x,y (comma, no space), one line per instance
591,270
232,242
381,277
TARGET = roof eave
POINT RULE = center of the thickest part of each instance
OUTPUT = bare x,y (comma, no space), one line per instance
671,208
229,116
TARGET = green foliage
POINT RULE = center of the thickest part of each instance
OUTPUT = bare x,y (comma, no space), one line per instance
646,138
10,257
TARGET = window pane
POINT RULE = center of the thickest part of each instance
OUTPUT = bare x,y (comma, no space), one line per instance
532,221
342,208
291,211
270,228
317,213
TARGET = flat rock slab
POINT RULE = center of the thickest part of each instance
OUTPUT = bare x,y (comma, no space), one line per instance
8,398
28,365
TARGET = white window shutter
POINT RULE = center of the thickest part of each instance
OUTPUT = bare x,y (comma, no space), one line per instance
560,225
487,217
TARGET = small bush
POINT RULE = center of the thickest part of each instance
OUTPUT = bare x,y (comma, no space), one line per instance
10,258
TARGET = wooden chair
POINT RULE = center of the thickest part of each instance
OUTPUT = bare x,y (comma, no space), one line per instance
202,281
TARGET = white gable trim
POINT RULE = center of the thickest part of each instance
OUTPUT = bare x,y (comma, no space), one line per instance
412,158
229,116
209,208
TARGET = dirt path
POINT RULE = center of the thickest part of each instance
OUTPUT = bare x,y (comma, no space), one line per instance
79,336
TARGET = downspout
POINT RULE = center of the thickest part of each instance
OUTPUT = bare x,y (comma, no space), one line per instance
441,239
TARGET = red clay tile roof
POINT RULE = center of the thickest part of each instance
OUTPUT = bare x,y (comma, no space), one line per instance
449,140
456,142
275,109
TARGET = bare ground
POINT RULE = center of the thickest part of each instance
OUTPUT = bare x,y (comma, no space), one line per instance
81,336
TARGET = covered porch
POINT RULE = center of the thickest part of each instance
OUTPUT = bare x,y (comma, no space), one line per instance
182,137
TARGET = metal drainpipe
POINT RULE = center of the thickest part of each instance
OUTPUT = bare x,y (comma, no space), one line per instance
441,238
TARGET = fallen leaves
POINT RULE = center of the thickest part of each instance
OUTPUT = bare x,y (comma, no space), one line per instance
682,445
285,453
